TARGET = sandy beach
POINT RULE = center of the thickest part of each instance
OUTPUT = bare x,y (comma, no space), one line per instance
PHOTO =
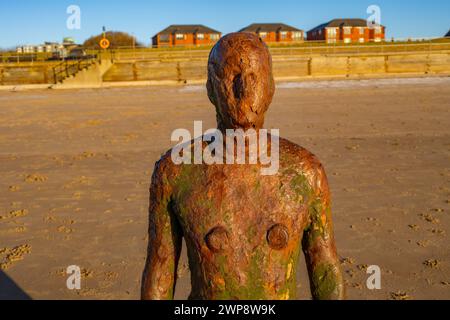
76,168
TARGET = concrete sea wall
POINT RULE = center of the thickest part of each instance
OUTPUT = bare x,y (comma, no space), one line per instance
289,67
183,68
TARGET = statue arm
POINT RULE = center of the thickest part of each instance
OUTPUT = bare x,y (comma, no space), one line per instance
326,280
164,245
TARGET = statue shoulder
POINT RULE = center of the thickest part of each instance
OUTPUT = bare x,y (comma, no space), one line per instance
165,169
293,153
298,160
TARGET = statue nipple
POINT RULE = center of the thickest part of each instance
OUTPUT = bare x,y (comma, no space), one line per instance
278,237
217,240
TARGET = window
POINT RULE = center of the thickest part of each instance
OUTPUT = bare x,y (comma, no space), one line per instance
347,40
347,30
164,38
361,30
283,35
377,39
200,36
378,30
214,36
297,35
331,40
361,40
331,32
179,36
263,35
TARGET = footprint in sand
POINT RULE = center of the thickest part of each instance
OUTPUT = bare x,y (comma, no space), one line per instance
362,267
11,256
85,155
432,263
347,261
77,195
84,181
437,232
182,270
15,214
15,230
64,229
429,218
400,295
86,273
353,147
423,244
35,178
356,285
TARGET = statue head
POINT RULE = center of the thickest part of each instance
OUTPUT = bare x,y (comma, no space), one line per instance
240,81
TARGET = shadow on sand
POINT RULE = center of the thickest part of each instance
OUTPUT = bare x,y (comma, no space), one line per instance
9,290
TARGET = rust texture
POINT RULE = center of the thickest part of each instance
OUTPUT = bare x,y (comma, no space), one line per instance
244,232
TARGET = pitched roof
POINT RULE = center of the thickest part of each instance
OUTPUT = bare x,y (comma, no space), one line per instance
448,34
187,29
268,27
342,23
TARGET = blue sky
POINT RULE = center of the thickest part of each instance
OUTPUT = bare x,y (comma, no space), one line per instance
36,21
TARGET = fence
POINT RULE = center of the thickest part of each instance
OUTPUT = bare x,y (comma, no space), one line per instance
69,68
307,48
146,64
147,54
12,57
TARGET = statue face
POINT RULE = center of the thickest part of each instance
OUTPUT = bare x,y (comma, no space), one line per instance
240,81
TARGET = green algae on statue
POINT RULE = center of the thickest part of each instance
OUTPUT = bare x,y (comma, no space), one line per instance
244,231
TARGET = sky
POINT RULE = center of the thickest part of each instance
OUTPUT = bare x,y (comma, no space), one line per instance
37,21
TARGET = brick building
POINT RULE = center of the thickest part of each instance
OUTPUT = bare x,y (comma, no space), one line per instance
347,31
186,35
275,32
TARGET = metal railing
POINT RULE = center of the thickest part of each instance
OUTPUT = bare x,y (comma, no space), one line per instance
382,48
13,57
70,68
308,48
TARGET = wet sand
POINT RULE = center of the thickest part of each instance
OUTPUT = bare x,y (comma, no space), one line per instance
76,168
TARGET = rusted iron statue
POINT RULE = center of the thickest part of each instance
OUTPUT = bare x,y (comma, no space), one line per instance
244,231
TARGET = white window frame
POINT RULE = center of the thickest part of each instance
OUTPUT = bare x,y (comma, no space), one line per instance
297,35
263,35
180,36
332,32
200,36
347,30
